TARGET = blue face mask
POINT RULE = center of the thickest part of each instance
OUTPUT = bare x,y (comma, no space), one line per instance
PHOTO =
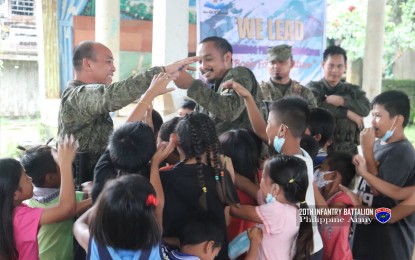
279,141
270,198
389,133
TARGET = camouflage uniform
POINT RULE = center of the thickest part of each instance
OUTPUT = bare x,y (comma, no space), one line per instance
224,106
84,110
346,135
272,91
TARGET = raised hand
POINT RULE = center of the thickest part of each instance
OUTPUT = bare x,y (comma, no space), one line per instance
360,164
66,150
164,149
159,84
238,88
367,139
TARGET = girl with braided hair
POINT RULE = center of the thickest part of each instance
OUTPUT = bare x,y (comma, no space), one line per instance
199,185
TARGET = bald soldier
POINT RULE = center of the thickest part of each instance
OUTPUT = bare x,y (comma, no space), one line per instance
88,99
280,62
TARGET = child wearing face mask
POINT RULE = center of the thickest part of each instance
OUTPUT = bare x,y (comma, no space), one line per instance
390,158
287,121
282,192
336,169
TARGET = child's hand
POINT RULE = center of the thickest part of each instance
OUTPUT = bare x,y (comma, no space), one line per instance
360,164
164,149
239,89
158,85
356,200
66,150
255,234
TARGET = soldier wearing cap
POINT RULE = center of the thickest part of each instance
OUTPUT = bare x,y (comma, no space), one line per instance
280,62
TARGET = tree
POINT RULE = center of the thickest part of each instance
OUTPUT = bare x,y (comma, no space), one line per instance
346,24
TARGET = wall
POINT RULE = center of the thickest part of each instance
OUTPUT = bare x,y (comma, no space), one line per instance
19,90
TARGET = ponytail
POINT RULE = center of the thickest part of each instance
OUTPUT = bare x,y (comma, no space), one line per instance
304,242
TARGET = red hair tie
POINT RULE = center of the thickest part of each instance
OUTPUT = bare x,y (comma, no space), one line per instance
151,200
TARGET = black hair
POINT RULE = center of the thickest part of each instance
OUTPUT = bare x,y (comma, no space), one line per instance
84,50
10,173
197,137
292,112
37,162
199,231
241,148
310,145
167,128
189,104
157,121
334,50
122,217
290,173
321,121
395,102
131,147
342,163
220,43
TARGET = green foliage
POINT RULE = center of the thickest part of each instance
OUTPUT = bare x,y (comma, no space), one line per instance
346,23
407,86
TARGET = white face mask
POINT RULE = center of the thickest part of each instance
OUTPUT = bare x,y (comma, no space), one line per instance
319,178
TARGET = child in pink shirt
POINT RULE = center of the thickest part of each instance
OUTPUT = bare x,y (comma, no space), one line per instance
283,185
19,223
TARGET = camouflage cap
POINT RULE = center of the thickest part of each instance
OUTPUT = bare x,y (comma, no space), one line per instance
280,52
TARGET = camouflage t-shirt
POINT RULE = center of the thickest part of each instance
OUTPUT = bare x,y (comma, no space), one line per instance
84,110
346,135
272,92
225,106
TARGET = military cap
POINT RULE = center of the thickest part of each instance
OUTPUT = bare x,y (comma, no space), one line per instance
280,52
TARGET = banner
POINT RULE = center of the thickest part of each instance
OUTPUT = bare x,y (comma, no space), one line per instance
253,26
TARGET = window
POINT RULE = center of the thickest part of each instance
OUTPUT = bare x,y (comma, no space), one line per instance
23,7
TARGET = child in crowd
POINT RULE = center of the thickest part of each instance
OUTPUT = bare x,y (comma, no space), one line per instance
19,223
55,240
164,135
310,145
200,184
188,106
241,148
321,125
283,190
132,145
200,239
336,169
126,220
391,158
287,122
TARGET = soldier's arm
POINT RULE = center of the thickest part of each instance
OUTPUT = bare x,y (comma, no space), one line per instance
309,97
319,94
357,101
226,105
98,99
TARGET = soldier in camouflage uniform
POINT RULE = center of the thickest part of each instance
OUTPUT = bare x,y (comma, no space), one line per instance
224,106
88,99
280,62
348,103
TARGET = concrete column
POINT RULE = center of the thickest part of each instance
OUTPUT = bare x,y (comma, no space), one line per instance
48,60
170,43
372,62
107,29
